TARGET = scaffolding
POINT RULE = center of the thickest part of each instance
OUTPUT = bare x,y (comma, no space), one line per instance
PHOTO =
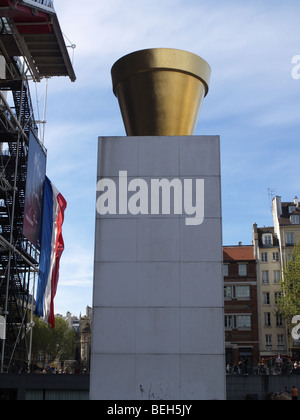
28,52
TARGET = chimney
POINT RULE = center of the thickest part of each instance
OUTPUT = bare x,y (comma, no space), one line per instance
160,91
296,201
240,243
276,207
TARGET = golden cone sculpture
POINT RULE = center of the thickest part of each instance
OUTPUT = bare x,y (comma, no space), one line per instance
160,91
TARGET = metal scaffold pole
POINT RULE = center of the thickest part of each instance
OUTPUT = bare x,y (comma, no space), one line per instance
10,244
32,48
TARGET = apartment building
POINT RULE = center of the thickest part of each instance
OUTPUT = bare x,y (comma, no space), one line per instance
272,328
241,314
286,216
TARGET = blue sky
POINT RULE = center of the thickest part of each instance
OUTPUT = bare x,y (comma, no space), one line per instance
253,104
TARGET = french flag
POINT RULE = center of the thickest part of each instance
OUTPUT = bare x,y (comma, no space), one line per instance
52,247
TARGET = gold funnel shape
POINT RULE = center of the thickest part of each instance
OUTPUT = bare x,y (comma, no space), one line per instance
160,91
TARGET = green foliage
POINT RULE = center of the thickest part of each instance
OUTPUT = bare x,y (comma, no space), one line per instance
57,343
289,304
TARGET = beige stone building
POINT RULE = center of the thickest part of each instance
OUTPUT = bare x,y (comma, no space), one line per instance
273,247
272,328
286,216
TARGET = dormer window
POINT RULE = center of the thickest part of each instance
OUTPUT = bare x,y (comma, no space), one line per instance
295,219
267,239
292,209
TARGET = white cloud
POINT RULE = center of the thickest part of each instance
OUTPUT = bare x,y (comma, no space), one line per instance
233,34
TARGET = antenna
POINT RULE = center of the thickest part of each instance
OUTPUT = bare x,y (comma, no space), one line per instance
271,195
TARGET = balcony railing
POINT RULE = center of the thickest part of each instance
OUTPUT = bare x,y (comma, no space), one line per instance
43,3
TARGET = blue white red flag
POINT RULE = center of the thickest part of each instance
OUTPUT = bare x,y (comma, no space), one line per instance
52,248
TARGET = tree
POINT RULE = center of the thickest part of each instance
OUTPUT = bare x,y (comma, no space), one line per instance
54,344
289,302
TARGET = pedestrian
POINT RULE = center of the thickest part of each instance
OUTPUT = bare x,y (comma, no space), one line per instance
294,393
245,365
240,366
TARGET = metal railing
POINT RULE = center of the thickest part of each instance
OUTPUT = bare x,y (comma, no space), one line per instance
46,3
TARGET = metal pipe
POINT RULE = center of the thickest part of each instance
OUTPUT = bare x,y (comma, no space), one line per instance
13,249
12,221
13,116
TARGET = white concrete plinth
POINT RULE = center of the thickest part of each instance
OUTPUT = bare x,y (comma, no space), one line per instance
158,327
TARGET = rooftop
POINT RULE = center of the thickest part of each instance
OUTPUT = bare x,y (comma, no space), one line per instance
266,230
289,209
238,253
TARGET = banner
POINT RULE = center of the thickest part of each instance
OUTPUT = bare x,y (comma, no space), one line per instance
33,211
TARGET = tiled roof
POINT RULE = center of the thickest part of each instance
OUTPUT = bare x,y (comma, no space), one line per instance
238,253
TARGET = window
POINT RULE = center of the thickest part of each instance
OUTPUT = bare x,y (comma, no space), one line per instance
243,270
225,270
265,277
275,256
276,276
264,257
290,239
279,320
228,292
243,292
280,340
295,219
266,298
267,239
277,298
243,321
237,322
269,341
229,321
267,316
40,358
237,292
292,209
